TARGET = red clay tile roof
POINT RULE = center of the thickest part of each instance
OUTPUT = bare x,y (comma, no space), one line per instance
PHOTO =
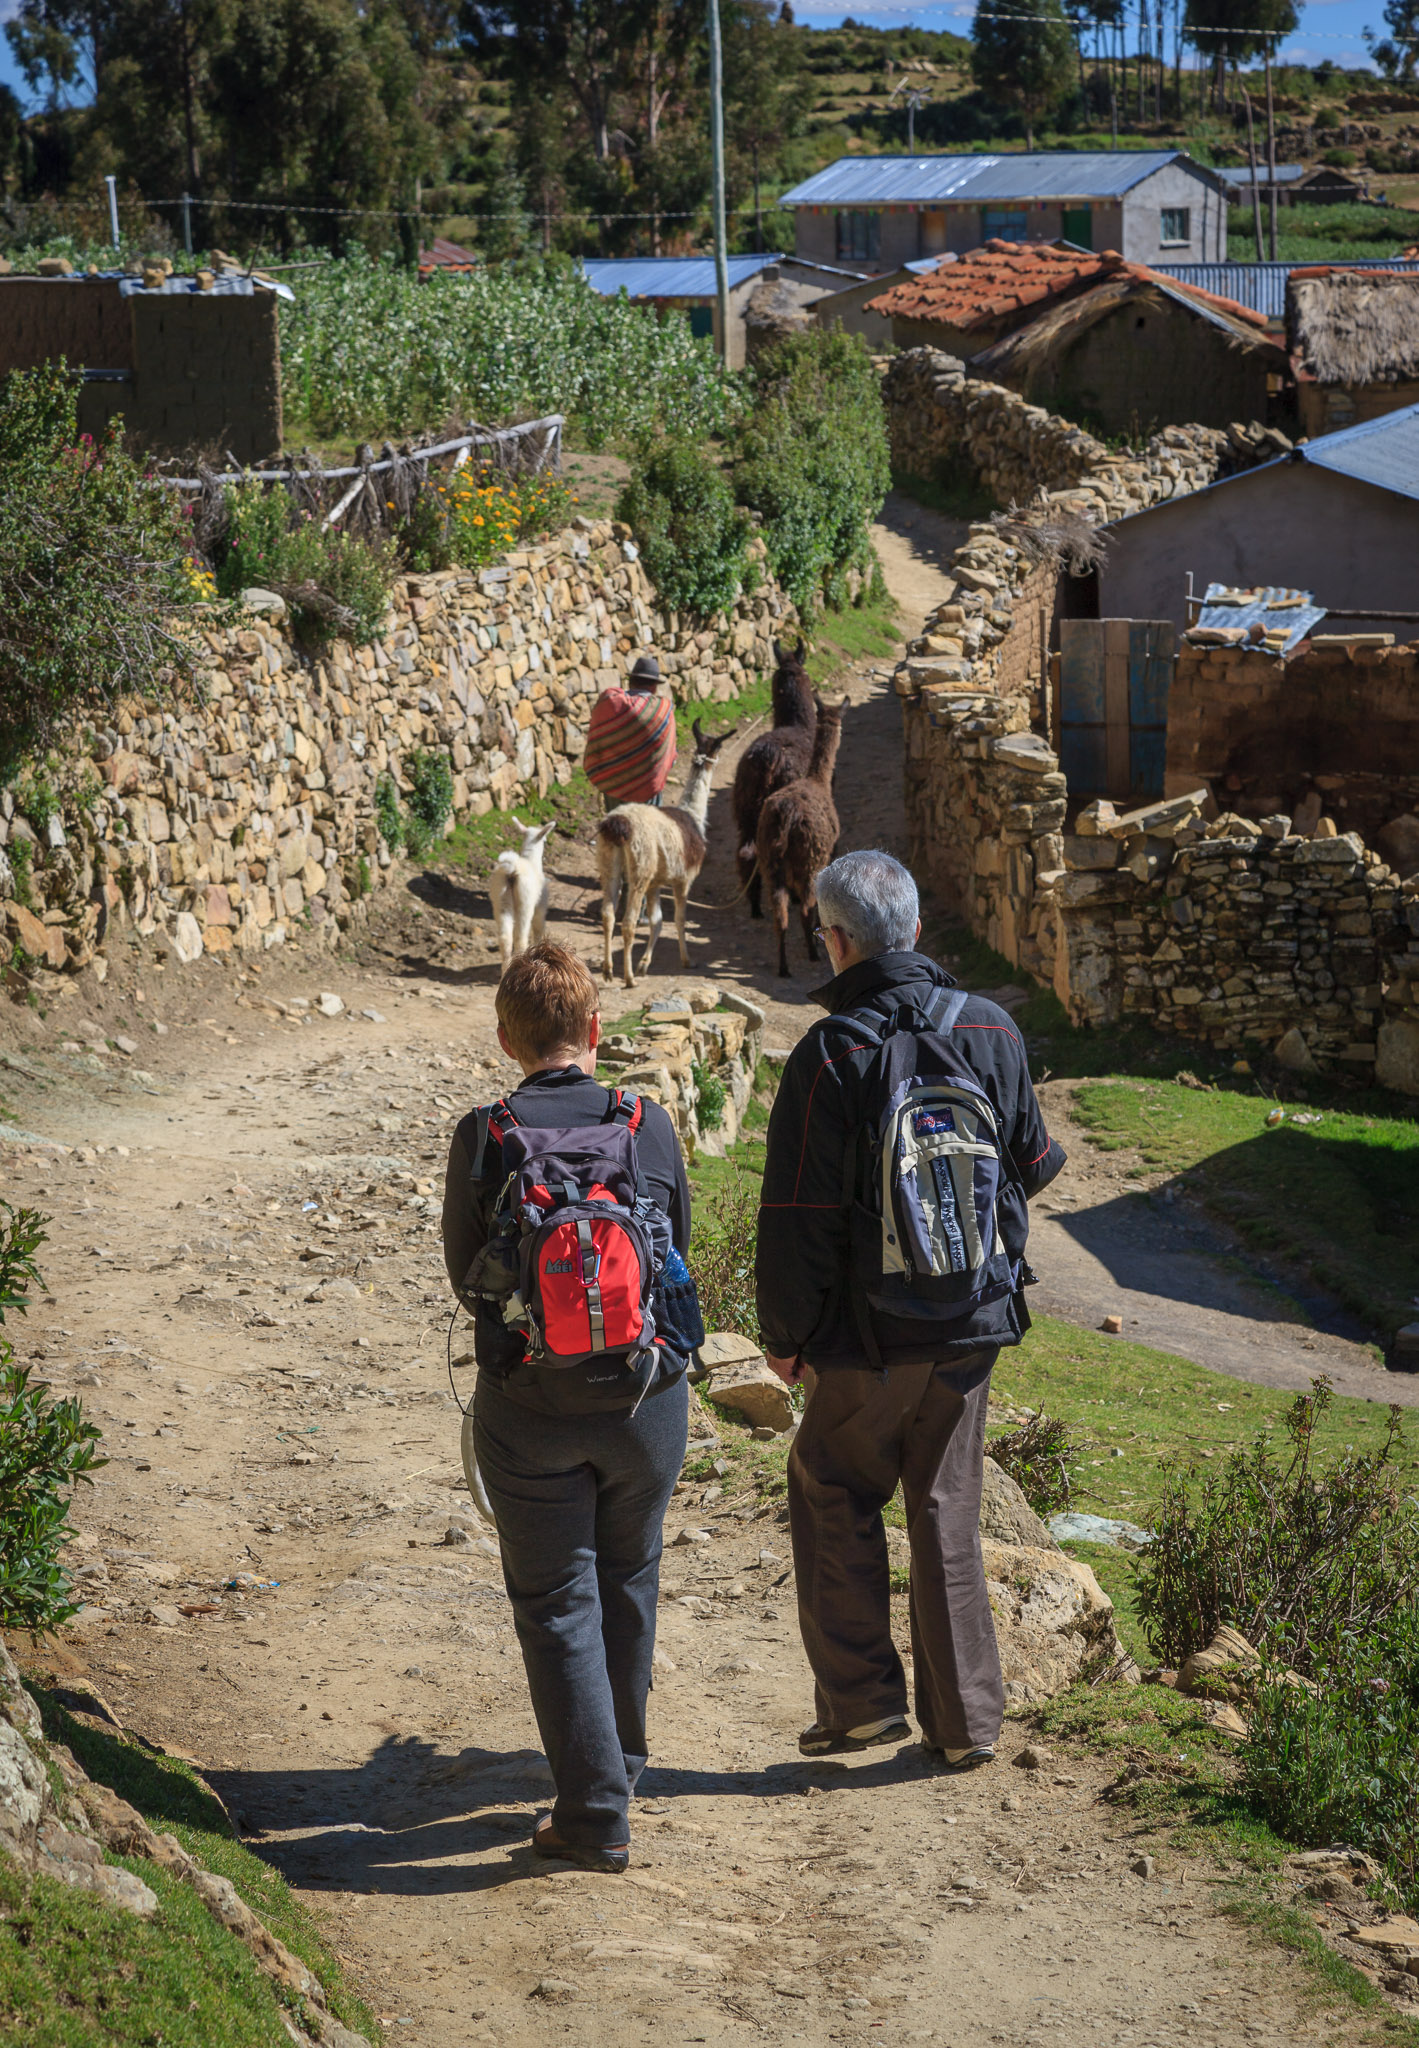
988,284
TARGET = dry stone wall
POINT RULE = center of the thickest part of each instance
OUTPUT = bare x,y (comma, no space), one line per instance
1275,929
939,419
223,823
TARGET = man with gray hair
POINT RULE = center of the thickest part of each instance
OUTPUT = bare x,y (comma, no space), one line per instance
904,1145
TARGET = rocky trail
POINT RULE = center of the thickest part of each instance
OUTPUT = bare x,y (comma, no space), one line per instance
287,1582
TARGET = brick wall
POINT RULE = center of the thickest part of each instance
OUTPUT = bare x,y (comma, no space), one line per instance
204,369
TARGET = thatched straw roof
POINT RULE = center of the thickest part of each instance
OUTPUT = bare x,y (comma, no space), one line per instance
1018,356
1354,327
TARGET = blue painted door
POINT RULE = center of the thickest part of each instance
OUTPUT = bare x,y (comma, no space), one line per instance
1114,679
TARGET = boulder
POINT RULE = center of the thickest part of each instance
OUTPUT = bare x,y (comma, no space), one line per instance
1292,1051
1053,1620
1005,1514
1398,841
1221,1668
743,1384
1397,1055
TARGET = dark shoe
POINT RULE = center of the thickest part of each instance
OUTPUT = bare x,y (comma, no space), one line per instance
954,1760
820,1741
547,1842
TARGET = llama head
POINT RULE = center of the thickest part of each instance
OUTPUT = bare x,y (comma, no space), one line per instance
707,745
534,837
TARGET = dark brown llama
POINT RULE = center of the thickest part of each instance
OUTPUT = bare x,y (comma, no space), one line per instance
775,758
798,832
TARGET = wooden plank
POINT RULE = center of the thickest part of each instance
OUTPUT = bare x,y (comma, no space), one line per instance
1081,672
1118,635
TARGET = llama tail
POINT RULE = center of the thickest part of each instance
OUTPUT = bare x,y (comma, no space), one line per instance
615,830
508,862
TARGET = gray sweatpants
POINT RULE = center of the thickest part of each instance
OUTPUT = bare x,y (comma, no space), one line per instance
580,1502
863,1433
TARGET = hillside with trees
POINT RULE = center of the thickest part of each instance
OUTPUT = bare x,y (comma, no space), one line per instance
519,127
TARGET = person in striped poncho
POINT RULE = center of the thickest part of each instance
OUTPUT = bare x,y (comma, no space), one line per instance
630,747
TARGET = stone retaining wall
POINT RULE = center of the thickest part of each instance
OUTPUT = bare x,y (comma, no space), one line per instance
221,823
1261,930
939,419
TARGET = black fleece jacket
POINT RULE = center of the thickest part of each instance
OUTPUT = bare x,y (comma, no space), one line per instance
801,1264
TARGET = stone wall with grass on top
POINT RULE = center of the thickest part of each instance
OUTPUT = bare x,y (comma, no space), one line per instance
222,823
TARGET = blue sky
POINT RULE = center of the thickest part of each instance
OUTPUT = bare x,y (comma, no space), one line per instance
1329,28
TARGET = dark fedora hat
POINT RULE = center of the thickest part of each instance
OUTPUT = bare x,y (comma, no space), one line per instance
646,670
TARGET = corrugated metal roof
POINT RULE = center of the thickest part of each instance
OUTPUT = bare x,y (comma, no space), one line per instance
1268,606
1384,452
666,277
1261,286
1241,174
919,180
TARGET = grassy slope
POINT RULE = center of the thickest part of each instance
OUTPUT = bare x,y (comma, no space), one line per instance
75,1973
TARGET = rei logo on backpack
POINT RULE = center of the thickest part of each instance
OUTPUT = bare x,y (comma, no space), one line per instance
922,1183
575,1247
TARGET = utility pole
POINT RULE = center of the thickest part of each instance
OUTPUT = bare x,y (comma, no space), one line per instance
721,266
1271,152
1255,187
187,222
112,184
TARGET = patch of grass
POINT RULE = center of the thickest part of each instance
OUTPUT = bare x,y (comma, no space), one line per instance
956,493
476,842
1153,1405
865,632
73,1972
1335,1198
171,1797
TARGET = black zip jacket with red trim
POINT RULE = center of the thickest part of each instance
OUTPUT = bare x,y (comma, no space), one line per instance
802,1260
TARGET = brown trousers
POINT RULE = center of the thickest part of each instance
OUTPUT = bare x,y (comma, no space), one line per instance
863,1433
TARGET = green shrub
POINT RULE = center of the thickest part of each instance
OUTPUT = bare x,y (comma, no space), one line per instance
812,460
387,813
722,1259
46,1447
1339,159
709,1096
1341,1764
95,599
1287,1551
1037,1454
693,540
430,800
335,584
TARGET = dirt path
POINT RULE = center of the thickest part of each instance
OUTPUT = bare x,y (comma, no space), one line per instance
247,1289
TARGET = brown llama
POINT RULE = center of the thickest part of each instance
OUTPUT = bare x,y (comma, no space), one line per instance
776,757
798,832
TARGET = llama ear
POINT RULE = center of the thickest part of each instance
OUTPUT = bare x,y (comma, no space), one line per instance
699,736
779,656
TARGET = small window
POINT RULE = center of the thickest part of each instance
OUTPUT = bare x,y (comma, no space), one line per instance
1177,226
859,237
1004,224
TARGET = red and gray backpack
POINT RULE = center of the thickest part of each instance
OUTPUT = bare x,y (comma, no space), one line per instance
576,1244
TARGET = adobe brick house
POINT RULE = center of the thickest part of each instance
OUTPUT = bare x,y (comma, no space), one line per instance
877,213
191,372
1091,336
